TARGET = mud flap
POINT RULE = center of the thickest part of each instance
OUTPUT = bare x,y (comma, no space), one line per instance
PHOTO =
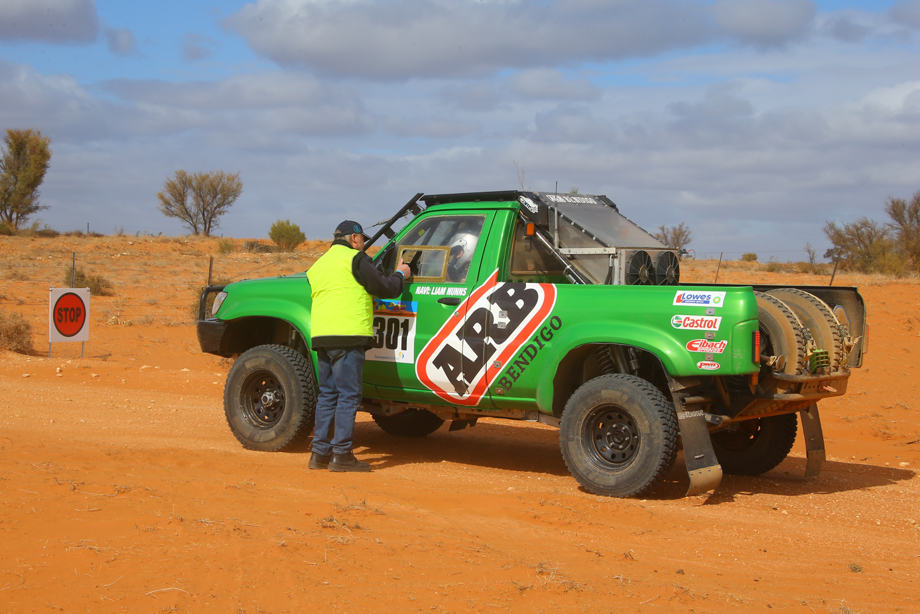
814,440
703,467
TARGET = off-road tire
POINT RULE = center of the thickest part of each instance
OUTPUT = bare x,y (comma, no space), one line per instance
410,423
817,317
781,333
618,435
270,397
753,447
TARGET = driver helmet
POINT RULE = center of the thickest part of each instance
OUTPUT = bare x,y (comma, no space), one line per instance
462,246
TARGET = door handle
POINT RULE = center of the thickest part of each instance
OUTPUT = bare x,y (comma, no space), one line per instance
449,300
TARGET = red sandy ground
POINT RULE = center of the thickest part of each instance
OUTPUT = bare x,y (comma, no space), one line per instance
123,490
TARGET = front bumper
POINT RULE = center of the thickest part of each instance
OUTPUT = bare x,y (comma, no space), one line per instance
211,336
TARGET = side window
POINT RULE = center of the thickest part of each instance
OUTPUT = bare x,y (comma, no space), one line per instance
441,248
531,260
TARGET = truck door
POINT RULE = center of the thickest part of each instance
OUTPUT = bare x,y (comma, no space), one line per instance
418,351
524,322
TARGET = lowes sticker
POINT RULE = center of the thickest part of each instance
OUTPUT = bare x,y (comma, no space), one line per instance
692,298
482,335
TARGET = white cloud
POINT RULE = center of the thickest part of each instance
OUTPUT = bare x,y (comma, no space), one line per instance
196,47
52,21
545,83
906,12
765,22
438,38
121,41
894,100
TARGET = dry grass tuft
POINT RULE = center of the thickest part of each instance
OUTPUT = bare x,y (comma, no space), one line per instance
15,333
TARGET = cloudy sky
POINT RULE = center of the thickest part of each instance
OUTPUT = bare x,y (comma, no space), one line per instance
752,121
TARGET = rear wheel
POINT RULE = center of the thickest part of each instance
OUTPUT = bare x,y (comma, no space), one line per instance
270,397
410,423
753,447
618,435
782,336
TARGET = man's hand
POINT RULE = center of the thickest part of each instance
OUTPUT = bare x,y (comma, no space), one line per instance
405,270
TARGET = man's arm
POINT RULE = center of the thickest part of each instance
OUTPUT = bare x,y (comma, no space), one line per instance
375,282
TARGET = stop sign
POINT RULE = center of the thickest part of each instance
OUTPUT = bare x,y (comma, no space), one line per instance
68,316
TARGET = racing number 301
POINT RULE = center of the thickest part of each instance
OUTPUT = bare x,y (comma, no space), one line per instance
391,333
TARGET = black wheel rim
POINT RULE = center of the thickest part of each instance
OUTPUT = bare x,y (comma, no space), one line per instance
740,439
611,435
262,400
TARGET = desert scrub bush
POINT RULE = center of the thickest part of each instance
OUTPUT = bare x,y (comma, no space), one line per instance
15,333
749,257
774,267
47,232
257,247
286,235
6,229
224,247
97,284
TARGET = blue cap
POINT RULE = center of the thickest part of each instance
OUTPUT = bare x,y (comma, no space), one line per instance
349,227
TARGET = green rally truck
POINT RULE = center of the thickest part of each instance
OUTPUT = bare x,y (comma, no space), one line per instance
554,308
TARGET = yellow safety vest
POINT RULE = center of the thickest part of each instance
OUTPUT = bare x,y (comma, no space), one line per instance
341,306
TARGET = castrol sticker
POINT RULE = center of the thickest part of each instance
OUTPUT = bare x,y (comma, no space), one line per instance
482,335
699,299
687,322
705,345
707,365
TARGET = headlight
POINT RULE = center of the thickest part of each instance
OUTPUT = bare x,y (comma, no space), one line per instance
218,301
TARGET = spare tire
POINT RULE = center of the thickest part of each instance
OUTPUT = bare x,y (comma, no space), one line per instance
818,318
782,335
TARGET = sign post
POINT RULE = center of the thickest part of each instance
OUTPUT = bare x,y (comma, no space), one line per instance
68,316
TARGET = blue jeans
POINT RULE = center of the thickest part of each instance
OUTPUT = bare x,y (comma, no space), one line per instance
340,372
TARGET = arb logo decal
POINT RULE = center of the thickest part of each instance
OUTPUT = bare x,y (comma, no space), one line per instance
481,336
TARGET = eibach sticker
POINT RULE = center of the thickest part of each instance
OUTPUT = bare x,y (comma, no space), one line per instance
469,350
686,322
707,346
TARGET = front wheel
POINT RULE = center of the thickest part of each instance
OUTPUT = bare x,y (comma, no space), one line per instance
753,447
270,397
618,435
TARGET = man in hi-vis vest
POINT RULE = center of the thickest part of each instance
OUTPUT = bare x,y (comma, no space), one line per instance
342,282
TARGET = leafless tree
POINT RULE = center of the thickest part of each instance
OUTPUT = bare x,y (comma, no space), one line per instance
199,199
677,237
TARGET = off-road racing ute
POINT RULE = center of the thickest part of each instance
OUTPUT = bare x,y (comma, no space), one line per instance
557,309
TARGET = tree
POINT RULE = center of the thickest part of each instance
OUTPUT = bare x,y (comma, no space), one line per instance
862,245
677,237
23,164
906,226
199,199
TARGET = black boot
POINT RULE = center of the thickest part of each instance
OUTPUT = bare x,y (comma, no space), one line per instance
319,461
347,462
